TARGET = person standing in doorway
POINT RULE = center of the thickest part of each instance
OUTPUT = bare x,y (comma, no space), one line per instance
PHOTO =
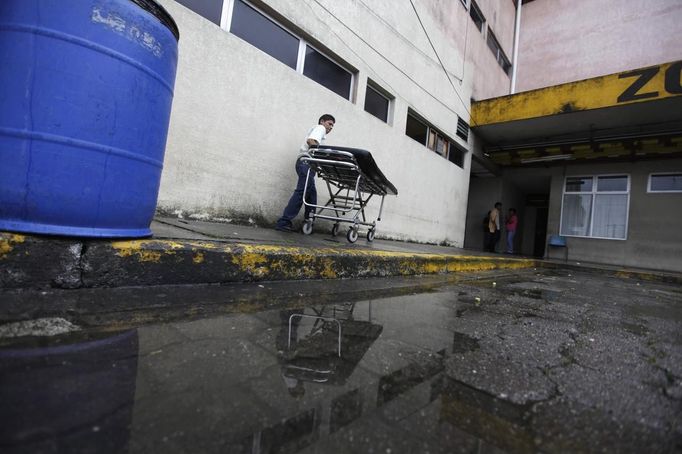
314,138
511,224
494,228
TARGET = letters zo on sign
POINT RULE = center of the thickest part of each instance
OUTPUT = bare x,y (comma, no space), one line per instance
641,77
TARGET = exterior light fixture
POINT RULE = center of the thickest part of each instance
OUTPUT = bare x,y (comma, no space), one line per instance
556,157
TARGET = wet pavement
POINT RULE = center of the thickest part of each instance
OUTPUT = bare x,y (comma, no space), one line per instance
517,361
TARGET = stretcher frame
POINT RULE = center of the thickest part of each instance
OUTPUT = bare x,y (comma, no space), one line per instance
350,190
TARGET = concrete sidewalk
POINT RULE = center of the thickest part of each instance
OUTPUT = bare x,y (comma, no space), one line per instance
199,252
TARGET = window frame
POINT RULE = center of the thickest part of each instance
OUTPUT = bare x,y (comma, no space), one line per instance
371,85
475,9
655,191
593,193
433,134
499,54
220,14
303,44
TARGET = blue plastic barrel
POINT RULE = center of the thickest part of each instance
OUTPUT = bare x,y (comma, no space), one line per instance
85,98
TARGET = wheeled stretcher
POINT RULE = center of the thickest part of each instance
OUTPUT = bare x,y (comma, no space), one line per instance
352,178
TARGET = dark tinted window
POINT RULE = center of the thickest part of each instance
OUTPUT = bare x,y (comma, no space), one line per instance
671,182
327,73
610,184
456,156
376,104
579,184
258,30
476,16
496,49
416,130
210,9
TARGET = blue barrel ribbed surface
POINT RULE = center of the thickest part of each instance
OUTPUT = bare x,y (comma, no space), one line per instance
85,97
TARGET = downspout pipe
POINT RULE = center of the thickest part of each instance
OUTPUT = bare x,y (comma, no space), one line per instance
515,57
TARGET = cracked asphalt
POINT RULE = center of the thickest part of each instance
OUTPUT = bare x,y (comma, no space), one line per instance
521,361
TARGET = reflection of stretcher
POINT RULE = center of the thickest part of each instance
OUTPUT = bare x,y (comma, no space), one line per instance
352,178
334,346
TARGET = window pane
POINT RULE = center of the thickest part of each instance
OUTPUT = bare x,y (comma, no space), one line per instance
492,43
376,104
441,146
476,16
456,156
575,219
210,9
327,73
258,30
610,213
579,184
612,184
416,129
431,144
671,182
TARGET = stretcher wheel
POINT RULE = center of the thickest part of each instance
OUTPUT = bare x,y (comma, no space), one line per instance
307,227
370,235
335,229
352,235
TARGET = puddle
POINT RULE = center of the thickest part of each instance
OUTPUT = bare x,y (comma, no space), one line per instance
427,372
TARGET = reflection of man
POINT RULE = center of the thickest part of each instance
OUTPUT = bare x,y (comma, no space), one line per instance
493,233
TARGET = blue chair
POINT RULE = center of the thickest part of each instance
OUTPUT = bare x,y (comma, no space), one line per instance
558,241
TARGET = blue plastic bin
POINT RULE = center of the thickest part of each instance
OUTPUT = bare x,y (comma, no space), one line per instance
85,99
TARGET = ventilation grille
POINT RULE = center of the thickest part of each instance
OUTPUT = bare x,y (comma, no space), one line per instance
462,129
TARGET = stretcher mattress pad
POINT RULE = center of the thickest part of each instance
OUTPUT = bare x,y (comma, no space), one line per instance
364,160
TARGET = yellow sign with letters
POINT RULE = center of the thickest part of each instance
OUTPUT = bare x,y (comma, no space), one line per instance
640,85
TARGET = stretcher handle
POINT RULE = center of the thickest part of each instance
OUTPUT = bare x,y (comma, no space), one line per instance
332,149
330,161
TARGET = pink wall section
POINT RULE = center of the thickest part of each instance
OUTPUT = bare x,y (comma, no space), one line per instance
568,40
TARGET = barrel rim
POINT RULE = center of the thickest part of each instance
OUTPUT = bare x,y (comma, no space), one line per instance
161,14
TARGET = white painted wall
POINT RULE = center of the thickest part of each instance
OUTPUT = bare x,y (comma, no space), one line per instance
239,115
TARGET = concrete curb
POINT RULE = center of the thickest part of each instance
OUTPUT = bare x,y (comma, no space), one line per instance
39,262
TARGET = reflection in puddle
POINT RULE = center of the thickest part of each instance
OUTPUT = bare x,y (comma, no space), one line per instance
69,398
368,376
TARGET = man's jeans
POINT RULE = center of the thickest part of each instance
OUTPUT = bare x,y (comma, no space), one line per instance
296,200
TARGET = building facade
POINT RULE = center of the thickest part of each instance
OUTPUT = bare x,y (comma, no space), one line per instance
253,76
590,152
588,149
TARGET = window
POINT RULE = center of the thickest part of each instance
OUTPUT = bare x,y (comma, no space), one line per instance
264,33
456,155
376,102
433,139
326,73
665,182
495,47
476,16
261,32
210,9
596,207
416,129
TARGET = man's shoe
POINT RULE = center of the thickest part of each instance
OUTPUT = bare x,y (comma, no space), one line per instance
284,228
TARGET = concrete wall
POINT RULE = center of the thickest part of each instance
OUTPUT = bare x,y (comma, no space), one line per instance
483,194
568,40
654,233
490,79
239,115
